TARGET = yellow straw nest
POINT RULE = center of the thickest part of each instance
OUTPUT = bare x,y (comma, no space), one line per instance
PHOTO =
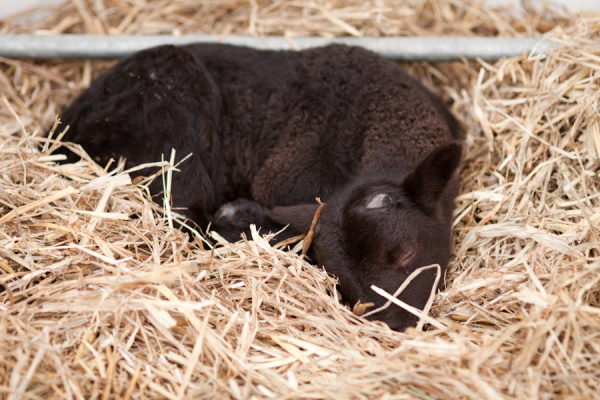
100,298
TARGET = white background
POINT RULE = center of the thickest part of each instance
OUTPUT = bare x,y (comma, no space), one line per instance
10,7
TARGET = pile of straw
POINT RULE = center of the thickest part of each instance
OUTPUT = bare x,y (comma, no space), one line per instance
99,298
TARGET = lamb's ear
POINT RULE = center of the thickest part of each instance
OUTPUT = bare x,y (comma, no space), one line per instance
298,217
426,183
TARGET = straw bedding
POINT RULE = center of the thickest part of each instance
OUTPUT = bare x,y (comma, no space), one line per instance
100,298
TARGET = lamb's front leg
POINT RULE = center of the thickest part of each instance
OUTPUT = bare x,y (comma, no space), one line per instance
234,218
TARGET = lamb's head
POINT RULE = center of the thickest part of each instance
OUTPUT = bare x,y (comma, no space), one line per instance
378,232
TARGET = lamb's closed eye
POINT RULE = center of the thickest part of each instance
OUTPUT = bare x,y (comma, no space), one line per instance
405,257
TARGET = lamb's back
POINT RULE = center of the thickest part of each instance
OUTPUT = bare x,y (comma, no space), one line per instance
299,125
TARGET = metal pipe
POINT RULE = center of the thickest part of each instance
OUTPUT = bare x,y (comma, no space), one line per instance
441,48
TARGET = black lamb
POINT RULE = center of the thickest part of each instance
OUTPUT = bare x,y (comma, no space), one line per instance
271,131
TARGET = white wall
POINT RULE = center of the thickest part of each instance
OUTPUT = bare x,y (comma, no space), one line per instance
573,5
10,7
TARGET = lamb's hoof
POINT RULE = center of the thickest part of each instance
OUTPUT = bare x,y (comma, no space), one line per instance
241,210
225,212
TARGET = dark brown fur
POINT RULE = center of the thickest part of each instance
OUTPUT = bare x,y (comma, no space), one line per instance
271,131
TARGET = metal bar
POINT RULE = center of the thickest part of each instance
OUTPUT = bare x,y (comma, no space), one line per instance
441,48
